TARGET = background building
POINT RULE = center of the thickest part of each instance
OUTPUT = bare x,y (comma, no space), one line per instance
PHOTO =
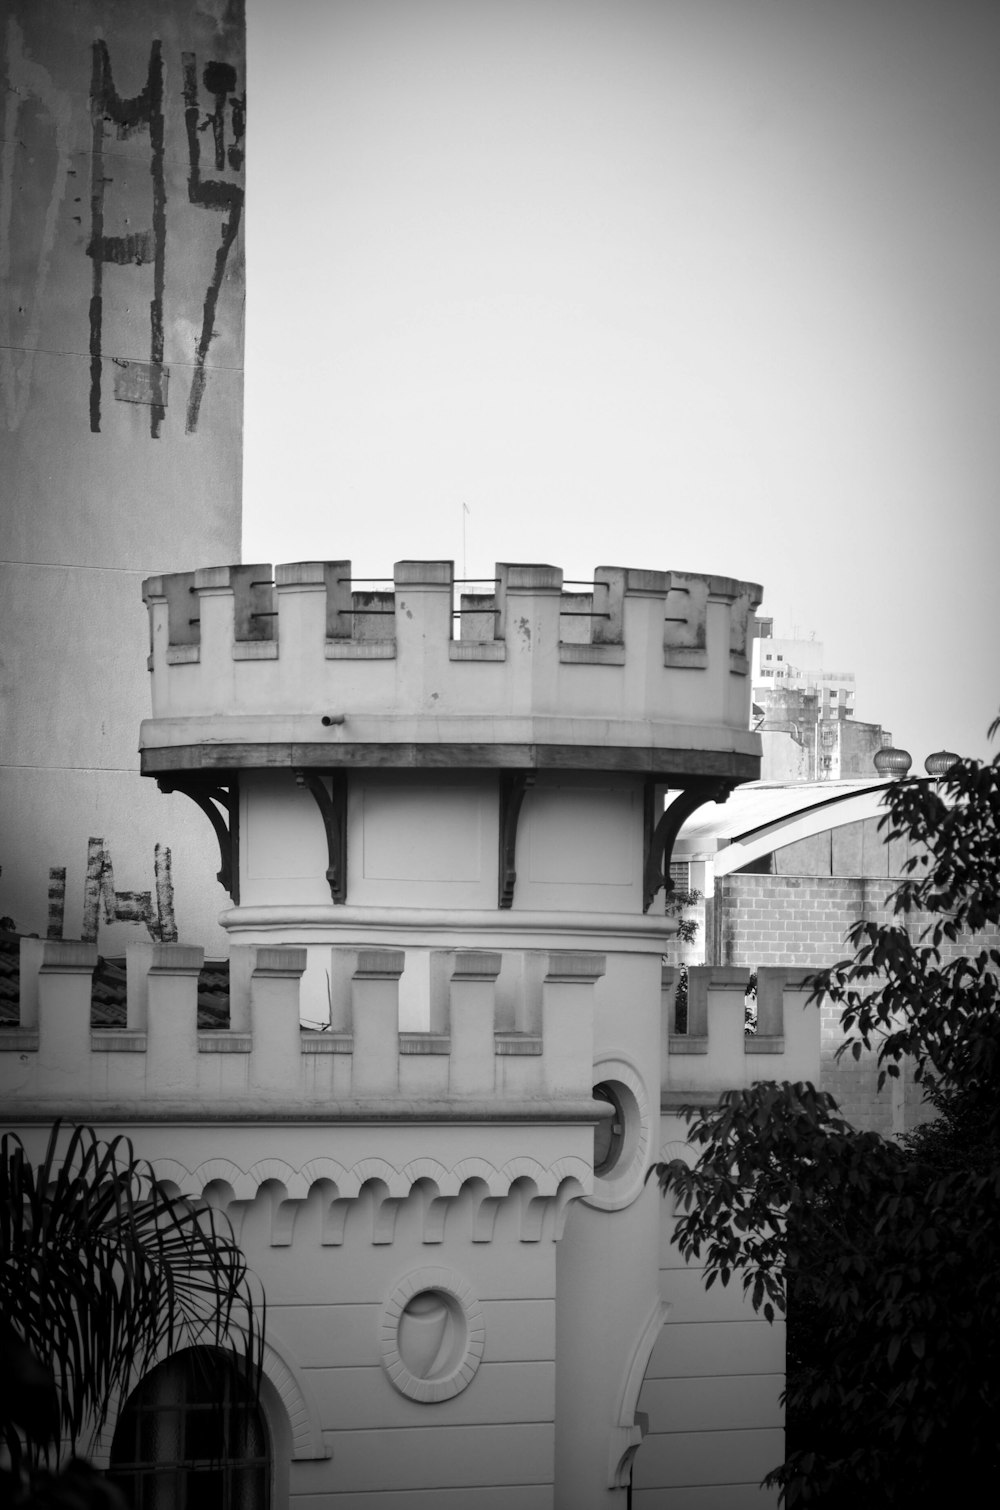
804,713
784,872
121,372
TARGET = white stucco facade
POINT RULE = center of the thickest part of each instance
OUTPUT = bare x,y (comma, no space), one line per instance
439,850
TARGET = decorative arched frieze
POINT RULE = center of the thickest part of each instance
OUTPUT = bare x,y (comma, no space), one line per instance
533,1214
570,1189
474,1168
326,1169
676,1148
546,1180
431,1169
335,1221
478,1185
484,1217
274,1169
434,1207
212,1170
171,1173
394,1179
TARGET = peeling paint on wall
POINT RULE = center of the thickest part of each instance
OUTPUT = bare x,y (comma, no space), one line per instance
164,894
57,902
153,908
27,84
219,80
144,110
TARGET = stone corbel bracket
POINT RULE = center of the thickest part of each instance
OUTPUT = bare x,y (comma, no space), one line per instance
513,787
333,810
219,801
664,835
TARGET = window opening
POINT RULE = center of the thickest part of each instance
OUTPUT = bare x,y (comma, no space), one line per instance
609,1134
192,1437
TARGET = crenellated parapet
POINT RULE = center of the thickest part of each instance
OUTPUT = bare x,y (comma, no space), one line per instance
712,1051
478,1058
642,671
479,1061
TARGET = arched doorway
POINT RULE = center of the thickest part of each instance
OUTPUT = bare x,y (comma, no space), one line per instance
192,1437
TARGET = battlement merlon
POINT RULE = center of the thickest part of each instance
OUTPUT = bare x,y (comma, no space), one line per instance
644,671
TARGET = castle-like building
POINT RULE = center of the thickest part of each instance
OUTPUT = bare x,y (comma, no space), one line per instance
450,1057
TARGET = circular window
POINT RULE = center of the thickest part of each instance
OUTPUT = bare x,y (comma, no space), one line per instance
609,1134
432,1335
621,1140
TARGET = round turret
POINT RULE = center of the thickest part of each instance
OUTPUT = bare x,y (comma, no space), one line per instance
643,671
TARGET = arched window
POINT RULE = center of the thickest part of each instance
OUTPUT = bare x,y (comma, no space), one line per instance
192,1437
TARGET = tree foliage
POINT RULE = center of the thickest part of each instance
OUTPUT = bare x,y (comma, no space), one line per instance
101,1272
679,901
886,1254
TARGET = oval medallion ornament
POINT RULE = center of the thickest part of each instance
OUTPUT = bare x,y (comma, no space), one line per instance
432,1335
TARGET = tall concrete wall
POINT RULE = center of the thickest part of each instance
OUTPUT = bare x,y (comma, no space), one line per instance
121,356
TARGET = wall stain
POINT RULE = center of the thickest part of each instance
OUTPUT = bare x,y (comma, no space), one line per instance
27,81
141,111
219,80
57,902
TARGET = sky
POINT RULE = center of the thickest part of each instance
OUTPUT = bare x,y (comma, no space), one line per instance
706,285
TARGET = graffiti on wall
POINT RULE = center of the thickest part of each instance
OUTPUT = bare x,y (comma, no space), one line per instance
226,120
157,222
141,247
101,899
219,80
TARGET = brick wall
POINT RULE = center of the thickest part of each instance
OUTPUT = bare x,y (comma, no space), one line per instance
788,920
755,920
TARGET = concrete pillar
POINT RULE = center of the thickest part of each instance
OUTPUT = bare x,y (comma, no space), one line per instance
242,962
568,1021
172,1019
300,590
726,1018
782,994
472,1022
375,1015
138,959
274,1019
213,600
32,952
64,985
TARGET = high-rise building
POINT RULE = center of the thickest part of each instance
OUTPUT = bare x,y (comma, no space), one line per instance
804,713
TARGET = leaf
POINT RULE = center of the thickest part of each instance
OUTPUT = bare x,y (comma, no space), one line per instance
889,1249
100,1270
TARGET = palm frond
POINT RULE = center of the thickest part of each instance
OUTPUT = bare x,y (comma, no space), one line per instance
102,1272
